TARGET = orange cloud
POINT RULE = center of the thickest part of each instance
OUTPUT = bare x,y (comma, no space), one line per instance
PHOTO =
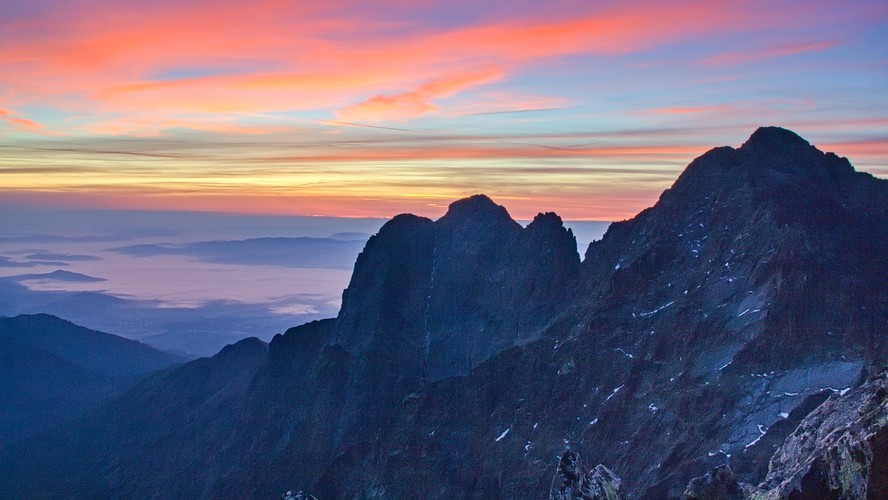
505,151
276,55
19,122
418,101
603,203
867,148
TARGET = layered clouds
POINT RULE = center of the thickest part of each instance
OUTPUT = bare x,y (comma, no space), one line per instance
366,109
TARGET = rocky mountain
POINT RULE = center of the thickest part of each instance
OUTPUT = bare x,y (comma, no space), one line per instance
840,450
52,370
470,353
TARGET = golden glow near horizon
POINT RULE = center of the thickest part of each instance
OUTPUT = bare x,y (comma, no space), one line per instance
352,109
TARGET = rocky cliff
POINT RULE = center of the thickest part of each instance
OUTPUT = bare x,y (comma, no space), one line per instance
840,450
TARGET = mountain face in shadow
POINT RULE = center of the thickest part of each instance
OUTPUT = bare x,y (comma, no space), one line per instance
471,352
52,370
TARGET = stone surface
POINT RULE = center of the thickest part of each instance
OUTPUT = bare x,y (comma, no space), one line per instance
573,482
718,484
839,451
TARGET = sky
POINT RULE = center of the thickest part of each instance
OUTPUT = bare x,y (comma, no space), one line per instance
351,108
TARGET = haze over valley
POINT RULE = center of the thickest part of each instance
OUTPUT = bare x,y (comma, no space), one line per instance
190,283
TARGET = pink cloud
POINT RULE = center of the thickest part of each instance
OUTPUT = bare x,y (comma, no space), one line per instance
418,101
278,55
18,121
686,110
735,58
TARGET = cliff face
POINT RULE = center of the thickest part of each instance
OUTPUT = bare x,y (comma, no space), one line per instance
470,352
455,291
839,451
703,331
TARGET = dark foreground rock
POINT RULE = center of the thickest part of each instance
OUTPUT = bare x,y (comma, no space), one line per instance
574,482
839,451
718,484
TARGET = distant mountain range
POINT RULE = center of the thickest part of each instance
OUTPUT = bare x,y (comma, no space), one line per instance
52,371
58,275
278,251
741,320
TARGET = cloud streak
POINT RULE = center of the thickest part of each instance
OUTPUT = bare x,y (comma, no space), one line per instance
418,101
346,108
738,58
255,61
17,121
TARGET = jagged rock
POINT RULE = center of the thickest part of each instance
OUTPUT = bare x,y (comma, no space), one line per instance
572,482
718,484
603,484
839,451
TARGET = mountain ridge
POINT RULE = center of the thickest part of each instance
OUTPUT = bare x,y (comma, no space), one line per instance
53,371
470,352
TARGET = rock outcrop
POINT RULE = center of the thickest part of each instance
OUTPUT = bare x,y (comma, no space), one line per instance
839,451
573,482
718,484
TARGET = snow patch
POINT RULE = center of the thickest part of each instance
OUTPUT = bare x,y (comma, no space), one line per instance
762,432
620,349
503,434
655,311
613,393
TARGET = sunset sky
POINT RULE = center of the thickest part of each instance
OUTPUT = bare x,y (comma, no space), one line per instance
367,109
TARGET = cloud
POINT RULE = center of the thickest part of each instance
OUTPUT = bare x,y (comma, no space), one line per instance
417,102
119,59
18,121
737,58
687,110
227,105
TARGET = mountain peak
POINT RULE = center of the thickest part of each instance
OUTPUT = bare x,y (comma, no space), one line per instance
774,139
477,207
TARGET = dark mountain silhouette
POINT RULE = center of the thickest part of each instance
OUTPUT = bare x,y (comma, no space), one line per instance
470,353
52,370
